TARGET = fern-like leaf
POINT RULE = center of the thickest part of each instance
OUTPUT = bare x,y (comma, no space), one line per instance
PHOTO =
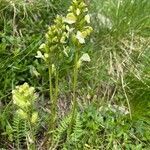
19,131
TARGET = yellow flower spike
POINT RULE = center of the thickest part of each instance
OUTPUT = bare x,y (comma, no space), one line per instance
70,18
87,18
23,96
80,36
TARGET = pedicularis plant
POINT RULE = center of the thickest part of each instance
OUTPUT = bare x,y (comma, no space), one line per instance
55,42
24,98
77,21
66,34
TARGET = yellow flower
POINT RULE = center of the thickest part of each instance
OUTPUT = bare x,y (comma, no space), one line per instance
62,40
75,1
46,55
87,18
42,46
70,18
78,12
82,5
39,55
87,31
85,57
80,37
70,8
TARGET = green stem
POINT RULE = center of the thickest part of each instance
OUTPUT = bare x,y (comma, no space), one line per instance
75,78
53,98
54,103
56,97
50,94
50,84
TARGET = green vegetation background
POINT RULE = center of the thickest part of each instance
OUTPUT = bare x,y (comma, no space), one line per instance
117,77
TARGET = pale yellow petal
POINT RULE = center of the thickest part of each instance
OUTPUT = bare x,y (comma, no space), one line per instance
87,18
80,37
70,18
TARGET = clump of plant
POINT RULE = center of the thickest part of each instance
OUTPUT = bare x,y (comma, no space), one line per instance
26,116
53,49
78,21
65,35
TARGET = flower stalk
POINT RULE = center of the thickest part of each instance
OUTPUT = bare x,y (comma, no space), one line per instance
75,79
